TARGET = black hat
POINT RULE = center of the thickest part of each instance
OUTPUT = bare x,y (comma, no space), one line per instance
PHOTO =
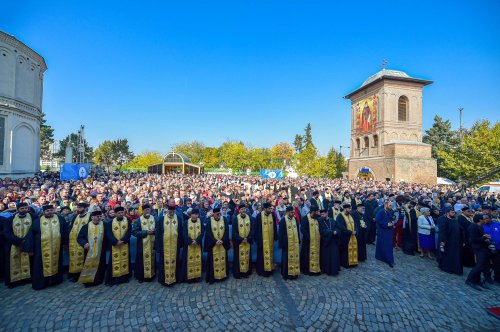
346,205
22,204
267,205
315,193
337,201
171,208
465,208
119,209
216,210
195,211
412,203
323,211
360,205
289,208
242,206
83,205
146,206
47,207
96,213
313,208
65,208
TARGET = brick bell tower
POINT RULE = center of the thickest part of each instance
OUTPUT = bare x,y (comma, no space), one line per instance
386,130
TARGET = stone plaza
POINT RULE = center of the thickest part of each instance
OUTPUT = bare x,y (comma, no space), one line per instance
413,296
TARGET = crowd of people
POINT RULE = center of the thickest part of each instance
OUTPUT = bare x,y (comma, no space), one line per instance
172,228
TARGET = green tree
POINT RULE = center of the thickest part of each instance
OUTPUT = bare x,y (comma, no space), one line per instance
281,154
143,160
305,161
210,157
72,140
194,150
479,153
259,158
442,138
46,138
334,165
103,155
298,143
308,140
234,155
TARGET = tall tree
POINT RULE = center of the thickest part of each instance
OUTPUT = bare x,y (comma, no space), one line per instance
72,140
308,140
121,152
103,155
305,161
281,154
46,139
298,143
194,150
210,158
259,158
478,154
440,136
234,155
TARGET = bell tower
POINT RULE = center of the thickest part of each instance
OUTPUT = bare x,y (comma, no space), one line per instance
386,130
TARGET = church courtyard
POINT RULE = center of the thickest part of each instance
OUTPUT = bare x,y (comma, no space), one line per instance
414,296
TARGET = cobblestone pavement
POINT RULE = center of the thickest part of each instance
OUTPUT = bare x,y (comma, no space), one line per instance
414,296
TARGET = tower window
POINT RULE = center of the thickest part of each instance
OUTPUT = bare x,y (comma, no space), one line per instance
375,141
403,108
367,142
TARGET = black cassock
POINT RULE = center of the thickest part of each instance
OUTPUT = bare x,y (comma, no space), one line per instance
83,239
344,238
468,257
259,266
360,235
112,240
283,244
210,243
329,254
8,240
450,232
160,230
33,244
306,247
237,239
410,233
369,217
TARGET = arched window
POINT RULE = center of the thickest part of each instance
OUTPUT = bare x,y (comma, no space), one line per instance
358,144
367,142
375,141
403,108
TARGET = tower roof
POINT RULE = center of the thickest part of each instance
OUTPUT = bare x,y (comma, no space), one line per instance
396,75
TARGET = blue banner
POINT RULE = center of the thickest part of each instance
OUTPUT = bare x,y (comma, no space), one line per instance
75,171
271,173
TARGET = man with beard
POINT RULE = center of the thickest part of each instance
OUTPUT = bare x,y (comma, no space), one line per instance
45,241
242,236
289,242
384,219
19,264
348,243
329,254
168,244
451,241
216,245
410,230
265,235
361,231
117,234
465,220
310,253
76,252
93,241
145,259
335,210
192,232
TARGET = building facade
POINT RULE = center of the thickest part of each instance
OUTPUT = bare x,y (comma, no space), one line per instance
21,91
175,163
386,130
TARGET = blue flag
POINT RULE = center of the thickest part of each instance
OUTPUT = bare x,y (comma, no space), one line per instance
271,173
75,171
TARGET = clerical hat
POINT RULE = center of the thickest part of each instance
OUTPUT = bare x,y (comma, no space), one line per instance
195,211
346,205
289,208
22,204
313,208
96,213
171,207
83,205
216,210
47,207
146,206
119,209
267,205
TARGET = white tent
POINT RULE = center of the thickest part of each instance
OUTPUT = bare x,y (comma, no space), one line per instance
445,181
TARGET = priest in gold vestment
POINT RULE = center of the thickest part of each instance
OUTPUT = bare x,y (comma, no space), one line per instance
348,247
242,236
311,245
192,256
168,243
45,242
289,242
145,259
19,264
76,252
216,245
117,233
91,238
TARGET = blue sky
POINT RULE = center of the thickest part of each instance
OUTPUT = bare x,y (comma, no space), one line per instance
160,73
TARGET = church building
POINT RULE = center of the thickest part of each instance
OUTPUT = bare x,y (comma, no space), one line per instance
386,130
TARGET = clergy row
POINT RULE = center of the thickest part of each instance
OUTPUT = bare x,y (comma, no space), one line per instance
170,248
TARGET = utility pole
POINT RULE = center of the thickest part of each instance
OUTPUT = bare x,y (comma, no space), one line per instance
460,136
